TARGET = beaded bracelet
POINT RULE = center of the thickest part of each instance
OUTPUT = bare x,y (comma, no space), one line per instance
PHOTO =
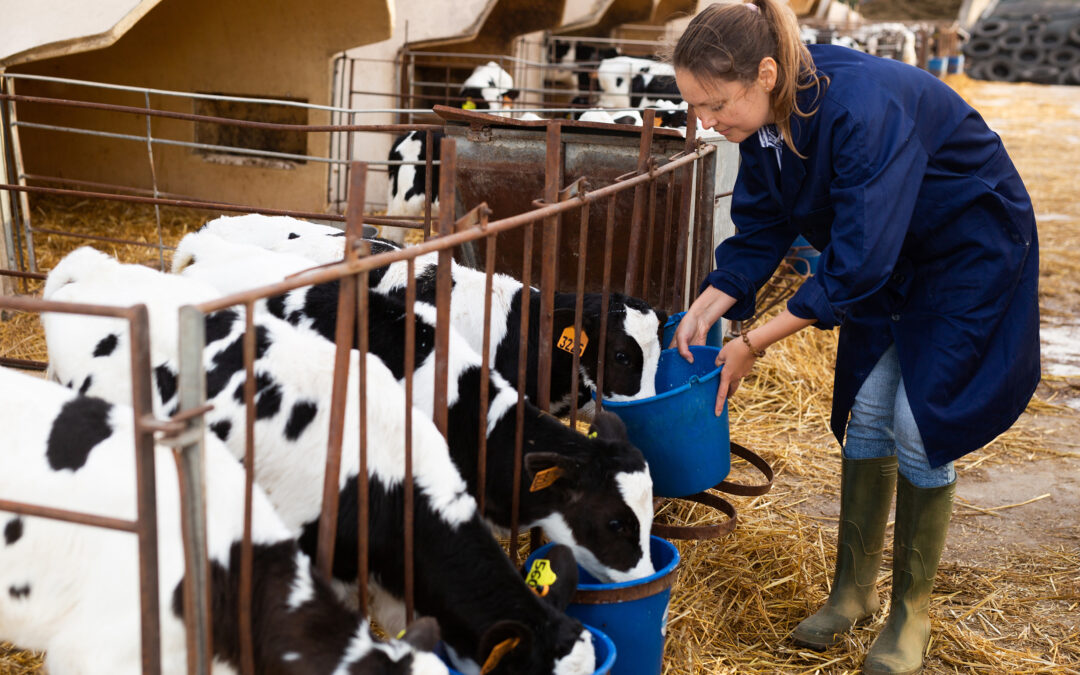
755,352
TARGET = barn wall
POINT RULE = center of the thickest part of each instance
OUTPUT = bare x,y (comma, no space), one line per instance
271,48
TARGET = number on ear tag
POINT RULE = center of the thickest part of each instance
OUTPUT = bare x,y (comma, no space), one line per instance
566,341
541,576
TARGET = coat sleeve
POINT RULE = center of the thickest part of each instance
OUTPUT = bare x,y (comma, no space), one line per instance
878,163
764,232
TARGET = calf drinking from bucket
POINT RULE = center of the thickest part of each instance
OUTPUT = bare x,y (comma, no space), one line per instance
601,503
294,375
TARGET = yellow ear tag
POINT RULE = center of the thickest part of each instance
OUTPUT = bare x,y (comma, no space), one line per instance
468,105
497,653
400,634
592,434
566,341
541,577
545,478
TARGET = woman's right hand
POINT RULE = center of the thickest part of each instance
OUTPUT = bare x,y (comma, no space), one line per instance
695,324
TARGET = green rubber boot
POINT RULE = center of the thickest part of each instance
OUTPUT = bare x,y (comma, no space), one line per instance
866,489
922,520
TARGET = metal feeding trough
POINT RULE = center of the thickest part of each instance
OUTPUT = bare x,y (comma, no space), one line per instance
507,164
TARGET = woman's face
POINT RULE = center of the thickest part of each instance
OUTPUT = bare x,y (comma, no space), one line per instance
734,109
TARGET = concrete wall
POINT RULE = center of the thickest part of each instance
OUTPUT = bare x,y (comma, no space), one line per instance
266,48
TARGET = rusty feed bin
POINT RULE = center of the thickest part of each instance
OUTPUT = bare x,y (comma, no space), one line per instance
502,161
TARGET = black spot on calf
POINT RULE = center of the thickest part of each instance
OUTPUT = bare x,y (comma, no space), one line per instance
300,417
86,384
166,382
221,429
106,346
13,531
18,592
293,235
219,324
81,425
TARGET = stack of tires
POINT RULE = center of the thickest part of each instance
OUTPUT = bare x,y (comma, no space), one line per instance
1026,42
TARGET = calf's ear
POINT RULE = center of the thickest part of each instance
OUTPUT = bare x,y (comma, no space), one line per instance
563,334
609,427
546,469
502,646
423,634
555,576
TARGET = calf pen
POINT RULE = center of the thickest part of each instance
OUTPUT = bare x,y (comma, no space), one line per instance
661,189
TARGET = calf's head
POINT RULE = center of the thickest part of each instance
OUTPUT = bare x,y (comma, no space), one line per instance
602,494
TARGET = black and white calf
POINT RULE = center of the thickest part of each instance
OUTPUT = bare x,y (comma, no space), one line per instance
633,345
489,87
600,505
487,602
629,82
73,591
312,240
575,62
406,194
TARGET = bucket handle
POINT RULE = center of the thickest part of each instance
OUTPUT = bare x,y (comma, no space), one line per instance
742,489
700,531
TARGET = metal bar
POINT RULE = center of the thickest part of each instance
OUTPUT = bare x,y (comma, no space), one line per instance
187,94
20,170
23,275
247,551
485,368
145,489
335,271
549,253
649,234
605,301
153,181
429,167
354,232
28,303
523,358
410,366
191,471
579,289
9,209
667,234
23,364
633,250
70,516
227,121
443,280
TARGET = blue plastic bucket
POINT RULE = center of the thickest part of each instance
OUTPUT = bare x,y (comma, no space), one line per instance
712,338
937,65
956,65
603,647
632,613
803,250
688,447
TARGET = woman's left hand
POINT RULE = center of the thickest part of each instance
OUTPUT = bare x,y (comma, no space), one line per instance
737,360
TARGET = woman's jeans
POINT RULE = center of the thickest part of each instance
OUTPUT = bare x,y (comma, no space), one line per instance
882,425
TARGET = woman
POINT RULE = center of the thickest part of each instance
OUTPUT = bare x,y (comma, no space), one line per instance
929,265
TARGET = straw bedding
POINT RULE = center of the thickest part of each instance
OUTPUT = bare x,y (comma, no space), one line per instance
737,598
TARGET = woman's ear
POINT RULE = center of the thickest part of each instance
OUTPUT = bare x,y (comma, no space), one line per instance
767,72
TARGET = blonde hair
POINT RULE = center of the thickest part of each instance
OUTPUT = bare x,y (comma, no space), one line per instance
728,41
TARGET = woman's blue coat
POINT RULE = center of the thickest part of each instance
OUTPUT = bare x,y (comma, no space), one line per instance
927,239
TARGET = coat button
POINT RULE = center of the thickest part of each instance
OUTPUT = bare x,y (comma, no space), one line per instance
895,317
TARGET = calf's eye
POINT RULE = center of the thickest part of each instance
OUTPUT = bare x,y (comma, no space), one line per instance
622,358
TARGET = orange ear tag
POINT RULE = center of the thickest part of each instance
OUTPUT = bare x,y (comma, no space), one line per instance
566,341
507,100
656,121
545,478
497,653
